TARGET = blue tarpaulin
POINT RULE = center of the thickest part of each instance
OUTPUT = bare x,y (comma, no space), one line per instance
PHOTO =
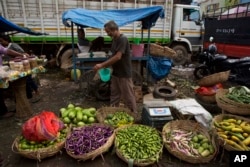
7,26
122,17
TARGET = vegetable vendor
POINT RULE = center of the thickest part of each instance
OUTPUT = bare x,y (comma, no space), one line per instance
120,60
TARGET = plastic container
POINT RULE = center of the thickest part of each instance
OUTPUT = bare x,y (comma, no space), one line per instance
26,64
12,64
137,41
18,66
33,62
83,55
105,74
137,50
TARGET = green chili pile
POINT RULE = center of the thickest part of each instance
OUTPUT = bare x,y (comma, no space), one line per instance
139,142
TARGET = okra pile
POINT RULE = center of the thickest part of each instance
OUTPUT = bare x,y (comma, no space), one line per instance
240,94
139,142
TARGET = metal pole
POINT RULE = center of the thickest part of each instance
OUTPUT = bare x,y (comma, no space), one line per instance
73,53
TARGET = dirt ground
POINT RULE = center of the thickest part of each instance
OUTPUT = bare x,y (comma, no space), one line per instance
58,91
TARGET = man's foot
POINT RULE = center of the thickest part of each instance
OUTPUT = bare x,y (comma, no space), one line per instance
7,115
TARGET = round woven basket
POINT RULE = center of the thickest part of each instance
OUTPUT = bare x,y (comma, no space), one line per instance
206,98
103,112
99,151
137,162
215,78
229,105
210,107
158,50
220,140
38,154
188,125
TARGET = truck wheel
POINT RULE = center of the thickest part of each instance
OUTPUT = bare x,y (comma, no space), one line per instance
182,55
66,58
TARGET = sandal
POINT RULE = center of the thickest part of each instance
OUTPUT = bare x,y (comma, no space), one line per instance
35,99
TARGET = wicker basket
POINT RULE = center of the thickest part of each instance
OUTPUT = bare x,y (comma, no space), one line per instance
157,50
137,162
210,107
193,126
229,105
206,98
41,153
215,78
103,112
221,141
99,151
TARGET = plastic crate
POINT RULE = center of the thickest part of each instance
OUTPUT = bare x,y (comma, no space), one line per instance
156,121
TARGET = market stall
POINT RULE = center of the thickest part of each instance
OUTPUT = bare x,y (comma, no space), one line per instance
16,79
96,19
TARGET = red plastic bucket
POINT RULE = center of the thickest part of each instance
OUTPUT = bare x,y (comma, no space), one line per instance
137,50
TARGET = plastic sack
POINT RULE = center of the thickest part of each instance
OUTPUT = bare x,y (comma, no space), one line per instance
209,90
159,67
42,127
190,106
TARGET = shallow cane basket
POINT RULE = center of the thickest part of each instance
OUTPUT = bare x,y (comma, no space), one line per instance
215,78
99,151
221,141
231,106
188,125
103,112
137,162
157,50
206,98
40,153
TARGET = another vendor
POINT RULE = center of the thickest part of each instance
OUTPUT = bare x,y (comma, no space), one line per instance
4,113
85,45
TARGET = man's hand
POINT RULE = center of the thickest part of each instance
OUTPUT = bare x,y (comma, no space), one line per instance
97,67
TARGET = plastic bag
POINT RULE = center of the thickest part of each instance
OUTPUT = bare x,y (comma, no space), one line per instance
44,126
159,67
209,90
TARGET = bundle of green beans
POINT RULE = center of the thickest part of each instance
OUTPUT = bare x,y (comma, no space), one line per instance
139,142
240,94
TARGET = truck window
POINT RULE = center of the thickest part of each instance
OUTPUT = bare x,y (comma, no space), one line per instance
191,15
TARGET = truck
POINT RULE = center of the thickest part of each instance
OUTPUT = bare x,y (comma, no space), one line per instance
231,33
181,29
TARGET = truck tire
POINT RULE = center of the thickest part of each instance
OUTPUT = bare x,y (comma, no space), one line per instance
165,92
66,58
182,55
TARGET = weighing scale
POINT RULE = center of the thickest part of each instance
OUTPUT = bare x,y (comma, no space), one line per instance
156,114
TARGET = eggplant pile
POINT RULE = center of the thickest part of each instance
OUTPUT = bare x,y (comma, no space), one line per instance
88,138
